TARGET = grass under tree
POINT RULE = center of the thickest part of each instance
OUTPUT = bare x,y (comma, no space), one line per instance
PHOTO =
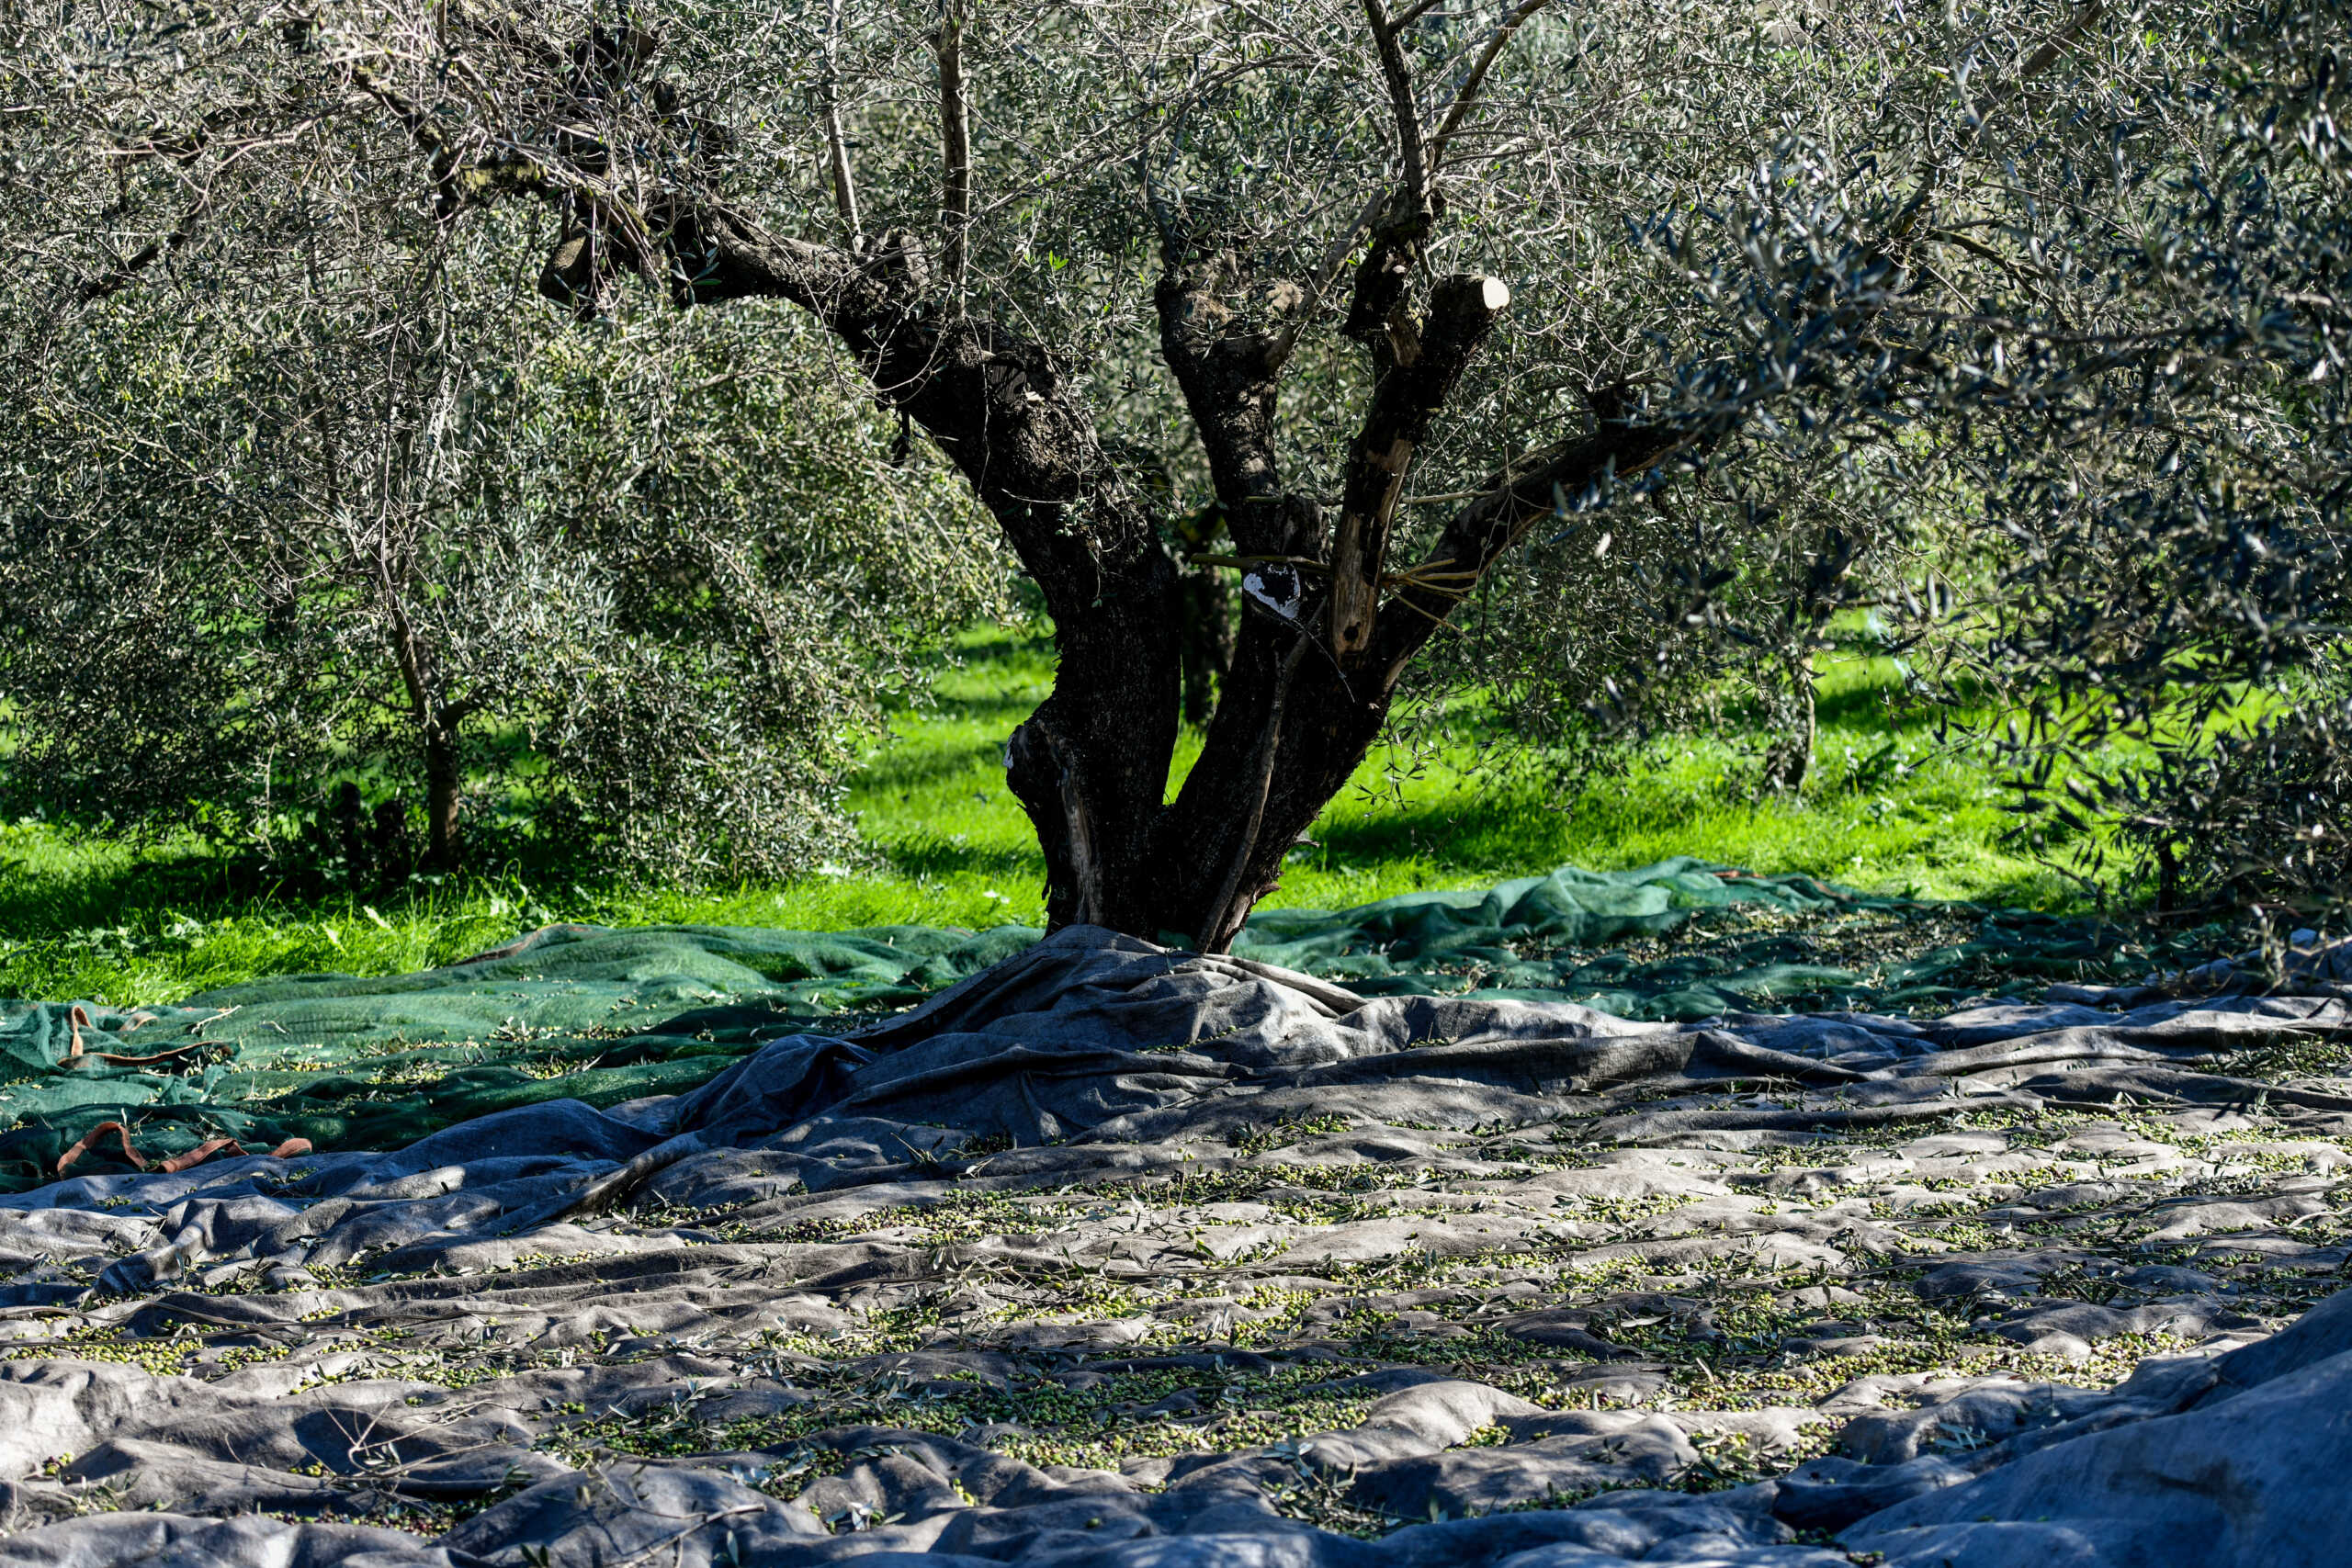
1889,808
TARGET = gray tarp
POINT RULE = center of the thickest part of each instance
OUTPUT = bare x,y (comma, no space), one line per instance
1119,1255
587,1013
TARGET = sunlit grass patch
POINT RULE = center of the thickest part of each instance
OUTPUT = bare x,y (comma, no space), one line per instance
1889,808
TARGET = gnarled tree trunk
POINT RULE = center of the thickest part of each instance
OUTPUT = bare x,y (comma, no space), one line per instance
1313,673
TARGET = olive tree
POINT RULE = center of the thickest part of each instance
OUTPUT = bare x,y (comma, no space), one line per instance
277,545
1421,292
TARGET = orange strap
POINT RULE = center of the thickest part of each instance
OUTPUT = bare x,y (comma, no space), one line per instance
83,1144
198,1154
79,1020
195,1157
206,1150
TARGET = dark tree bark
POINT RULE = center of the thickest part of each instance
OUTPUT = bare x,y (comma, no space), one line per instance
1204,636
348,816
1818,593
439,724
1789,758
445,783
389,846
1091,765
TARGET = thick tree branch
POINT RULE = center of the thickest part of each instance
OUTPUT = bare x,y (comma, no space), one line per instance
955,153
836,143
1091,765
1229,368
996,404
1466,96
1413,168
1410,206
1485,530
1227,909
1428,361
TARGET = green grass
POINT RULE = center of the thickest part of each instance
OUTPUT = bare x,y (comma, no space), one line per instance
1886,811
1918,820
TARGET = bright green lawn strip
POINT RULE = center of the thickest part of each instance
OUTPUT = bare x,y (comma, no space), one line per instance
88,917
937,806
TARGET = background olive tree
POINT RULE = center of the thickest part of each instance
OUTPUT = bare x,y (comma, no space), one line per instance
327,526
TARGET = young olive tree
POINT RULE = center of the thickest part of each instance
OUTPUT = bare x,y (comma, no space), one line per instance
370,526
2168,517
1705,608
1420,289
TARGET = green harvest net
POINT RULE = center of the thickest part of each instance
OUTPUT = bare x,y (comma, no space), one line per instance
607,1016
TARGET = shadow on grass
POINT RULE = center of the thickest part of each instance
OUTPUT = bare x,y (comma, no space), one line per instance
109,886
1011,650
1005,707
1864,708
906,767
2049,892
925,855
1461,828
77,884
